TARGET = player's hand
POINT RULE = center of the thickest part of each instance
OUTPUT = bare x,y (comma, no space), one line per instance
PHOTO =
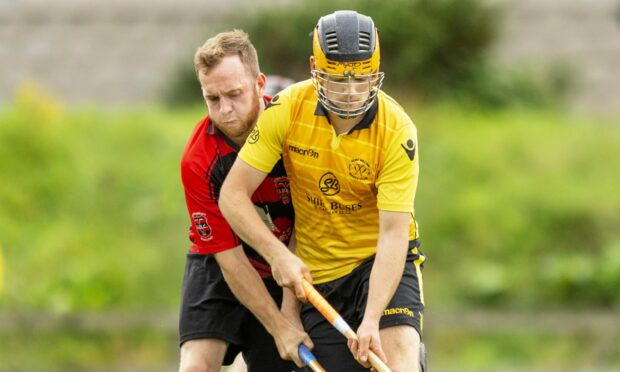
287,338
368,339
288,271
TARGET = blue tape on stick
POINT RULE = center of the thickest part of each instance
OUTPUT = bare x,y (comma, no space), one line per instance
305,354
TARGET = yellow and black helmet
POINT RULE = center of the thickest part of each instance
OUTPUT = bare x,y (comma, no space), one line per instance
346,41
345,45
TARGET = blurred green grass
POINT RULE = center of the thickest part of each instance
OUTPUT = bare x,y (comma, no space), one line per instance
522,351
130,350
518,210
521,206
92,212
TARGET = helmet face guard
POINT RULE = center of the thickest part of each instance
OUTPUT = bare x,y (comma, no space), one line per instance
348,96
346,73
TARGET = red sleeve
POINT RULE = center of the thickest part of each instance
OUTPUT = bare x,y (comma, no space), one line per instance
209,231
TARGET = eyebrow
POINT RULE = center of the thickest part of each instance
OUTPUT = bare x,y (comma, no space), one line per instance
228,92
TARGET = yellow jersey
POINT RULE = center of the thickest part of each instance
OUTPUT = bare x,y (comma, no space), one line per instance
338,182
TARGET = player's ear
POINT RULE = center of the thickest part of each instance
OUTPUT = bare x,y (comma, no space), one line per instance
312,63
261,81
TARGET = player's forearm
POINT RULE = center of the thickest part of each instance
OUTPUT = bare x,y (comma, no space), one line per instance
248,287
291,307
386,273
237,208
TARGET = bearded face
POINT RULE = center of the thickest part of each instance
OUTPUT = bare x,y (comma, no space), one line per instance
232,97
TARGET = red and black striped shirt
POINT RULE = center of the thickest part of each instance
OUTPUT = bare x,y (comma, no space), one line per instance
206,161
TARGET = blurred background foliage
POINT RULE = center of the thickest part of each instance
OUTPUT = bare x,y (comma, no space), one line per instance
517,202
431,50
518,212
520,205
92,199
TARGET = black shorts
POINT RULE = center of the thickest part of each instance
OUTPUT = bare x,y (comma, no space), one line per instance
210,310
348,296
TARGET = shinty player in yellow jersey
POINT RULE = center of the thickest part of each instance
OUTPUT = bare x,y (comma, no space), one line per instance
350,152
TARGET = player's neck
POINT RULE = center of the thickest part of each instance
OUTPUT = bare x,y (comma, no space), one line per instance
239,141
343,125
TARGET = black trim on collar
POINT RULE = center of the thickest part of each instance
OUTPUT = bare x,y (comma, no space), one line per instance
212,130
210,126
366,121
228,141
369,117
319,110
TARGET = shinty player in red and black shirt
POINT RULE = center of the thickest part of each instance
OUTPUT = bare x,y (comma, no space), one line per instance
206,161
225,306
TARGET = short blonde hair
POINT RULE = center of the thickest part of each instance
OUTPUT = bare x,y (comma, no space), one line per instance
224,44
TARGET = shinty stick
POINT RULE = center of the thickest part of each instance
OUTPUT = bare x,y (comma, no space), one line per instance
332,316
307,357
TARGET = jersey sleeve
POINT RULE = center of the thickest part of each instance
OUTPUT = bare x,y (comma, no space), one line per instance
263,147
398,178
209,231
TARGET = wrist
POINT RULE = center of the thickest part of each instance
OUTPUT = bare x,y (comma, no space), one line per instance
290,306
372,318
276,324
275,250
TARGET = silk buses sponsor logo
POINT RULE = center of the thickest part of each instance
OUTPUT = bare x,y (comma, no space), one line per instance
359,169
339,208
254,136
316,202
304,152
398,310
332,207
329,184
283,188
202,226
409,149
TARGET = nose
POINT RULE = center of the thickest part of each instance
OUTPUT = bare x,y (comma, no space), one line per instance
353,91
226,106
349,90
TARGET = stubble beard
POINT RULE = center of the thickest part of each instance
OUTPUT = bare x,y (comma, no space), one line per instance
253,114
247,123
